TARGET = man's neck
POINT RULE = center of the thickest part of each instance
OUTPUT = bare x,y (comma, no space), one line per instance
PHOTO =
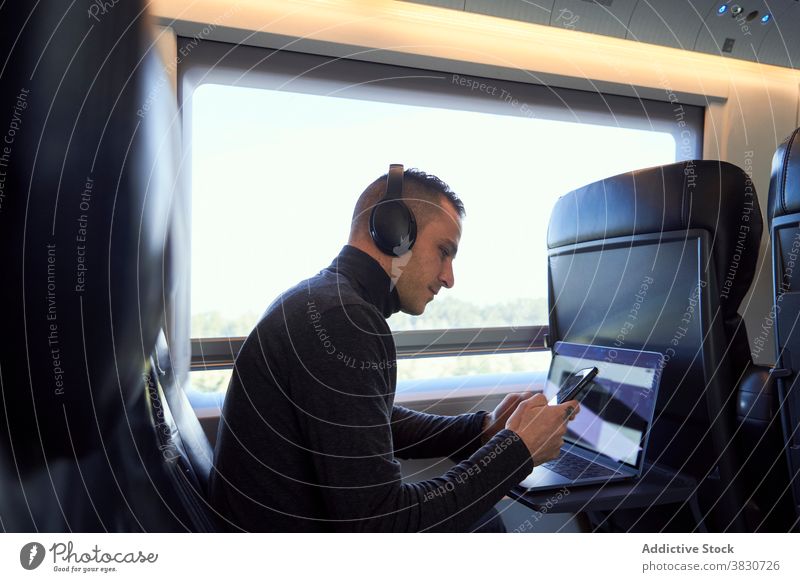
374,252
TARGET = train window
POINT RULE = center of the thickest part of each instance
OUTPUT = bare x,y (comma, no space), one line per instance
282,144
211,381
420,375
420,369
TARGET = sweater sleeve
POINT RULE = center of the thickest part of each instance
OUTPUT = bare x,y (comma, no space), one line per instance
418,435
343,401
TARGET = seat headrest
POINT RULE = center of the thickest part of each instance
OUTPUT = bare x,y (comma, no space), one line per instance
84,231
784,183
697,194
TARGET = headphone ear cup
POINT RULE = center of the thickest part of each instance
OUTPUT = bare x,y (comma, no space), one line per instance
393,227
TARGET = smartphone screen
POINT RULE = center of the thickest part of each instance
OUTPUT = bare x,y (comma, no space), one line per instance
573,386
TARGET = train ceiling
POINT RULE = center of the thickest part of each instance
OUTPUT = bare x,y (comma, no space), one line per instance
750,30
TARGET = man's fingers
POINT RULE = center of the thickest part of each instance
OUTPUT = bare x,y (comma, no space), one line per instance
536,400
516,397
570,408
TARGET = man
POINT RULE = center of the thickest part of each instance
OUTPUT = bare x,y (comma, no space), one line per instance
309,434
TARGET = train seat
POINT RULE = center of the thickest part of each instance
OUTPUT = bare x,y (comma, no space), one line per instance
660,259
784,221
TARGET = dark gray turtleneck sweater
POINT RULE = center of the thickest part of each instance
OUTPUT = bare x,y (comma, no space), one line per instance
309,431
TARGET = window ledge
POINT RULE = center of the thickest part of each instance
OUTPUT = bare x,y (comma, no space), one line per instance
468,387
451,389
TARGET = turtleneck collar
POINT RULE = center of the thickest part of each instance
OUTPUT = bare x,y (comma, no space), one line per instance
369,279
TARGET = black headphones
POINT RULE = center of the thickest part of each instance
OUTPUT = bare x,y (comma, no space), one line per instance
392,224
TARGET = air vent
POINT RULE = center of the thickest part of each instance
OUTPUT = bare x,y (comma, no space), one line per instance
727,47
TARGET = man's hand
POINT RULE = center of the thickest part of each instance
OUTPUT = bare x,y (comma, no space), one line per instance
496,420
542,427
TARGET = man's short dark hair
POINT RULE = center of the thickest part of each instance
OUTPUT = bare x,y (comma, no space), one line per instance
432,184
422,193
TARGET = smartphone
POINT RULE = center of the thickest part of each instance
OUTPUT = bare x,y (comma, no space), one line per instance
573,385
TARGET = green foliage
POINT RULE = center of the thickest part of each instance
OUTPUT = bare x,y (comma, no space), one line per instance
211,381
214,324
453,313
443,314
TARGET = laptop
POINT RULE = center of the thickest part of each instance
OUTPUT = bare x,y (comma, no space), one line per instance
607,441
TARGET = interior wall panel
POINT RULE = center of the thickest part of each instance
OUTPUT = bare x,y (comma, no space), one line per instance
537,12
746,35
675,24
781,45
607,17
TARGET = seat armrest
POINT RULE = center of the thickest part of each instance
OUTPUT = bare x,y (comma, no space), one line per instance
757,398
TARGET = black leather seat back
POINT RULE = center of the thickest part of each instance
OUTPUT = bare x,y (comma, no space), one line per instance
784,200
87,204
660,259
784,218
186,455
714,196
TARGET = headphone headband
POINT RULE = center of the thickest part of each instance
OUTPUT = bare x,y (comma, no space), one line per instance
394,182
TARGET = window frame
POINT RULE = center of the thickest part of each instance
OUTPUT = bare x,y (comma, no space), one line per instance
204,61
220,352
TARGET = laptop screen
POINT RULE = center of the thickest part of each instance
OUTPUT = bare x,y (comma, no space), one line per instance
618,405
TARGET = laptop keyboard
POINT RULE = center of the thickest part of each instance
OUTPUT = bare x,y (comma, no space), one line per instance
572,466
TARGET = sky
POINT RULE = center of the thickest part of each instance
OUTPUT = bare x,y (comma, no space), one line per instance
275,176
